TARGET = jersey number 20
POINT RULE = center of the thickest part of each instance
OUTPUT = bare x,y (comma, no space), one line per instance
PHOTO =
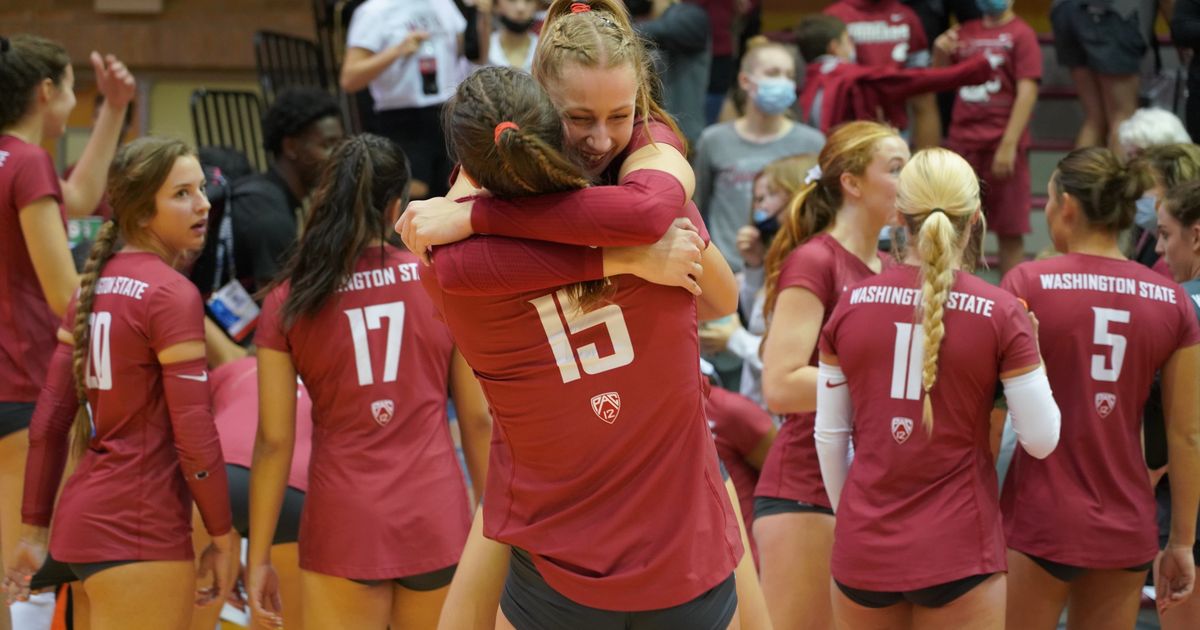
609,316
371,318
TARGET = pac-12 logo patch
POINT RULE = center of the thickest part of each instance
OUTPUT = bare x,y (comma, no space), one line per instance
383,410
901,429
1105,403
607,406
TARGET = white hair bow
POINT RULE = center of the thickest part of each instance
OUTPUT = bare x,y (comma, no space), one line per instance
814,175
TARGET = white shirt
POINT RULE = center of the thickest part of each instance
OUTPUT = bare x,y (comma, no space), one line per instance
380,24
496,56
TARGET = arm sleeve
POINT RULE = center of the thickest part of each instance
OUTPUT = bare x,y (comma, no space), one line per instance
490,265
832,433
190,408
901,84
637,212
363,32
1035,416
1027,56
49,433
1185,24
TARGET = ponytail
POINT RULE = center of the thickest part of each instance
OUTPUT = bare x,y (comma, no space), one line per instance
102,250
936,243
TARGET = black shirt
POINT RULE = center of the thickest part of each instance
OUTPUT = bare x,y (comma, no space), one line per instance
264,213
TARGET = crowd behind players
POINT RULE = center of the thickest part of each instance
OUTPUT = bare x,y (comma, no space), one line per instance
756,138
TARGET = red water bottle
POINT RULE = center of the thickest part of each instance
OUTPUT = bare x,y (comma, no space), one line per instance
427,63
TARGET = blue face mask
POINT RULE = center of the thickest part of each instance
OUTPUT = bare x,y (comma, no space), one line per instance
774,95
1146,217
991,7
767,224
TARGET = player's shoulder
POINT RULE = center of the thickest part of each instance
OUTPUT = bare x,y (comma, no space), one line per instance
821,249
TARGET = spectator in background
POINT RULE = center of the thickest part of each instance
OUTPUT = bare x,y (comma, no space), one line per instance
1102,43
513,42
1185,32
300,130
408,52
990,122
729,155
887,34
935,18
1149,127
680,34
723,70
1170,165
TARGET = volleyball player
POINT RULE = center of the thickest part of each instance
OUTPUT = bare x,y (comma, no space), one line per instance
135,363
386,512
1080,523
37,274
910,373
583,446
827,241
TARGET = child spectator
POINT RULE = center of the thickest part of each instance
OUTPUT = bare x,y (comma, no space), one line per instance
990,123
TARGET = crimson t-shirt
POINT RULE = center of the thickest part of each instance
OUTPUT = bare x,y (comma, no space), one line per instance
921,508
1106,327
981,112
235,412
27,325
127,499
821,265
602,466
386,496
738,426
885,33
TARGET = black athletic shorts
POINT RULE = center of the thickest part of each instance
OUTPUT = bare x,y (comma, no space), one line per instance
1068,572
766,506
14,416
431,581
418,130
531,604
287,530
54,573
1091,34
930,597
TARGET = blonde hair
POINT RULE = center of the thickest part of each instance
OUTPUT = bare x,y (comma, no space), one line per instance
787,174
137,172
601,37
938,194
849,149
756,46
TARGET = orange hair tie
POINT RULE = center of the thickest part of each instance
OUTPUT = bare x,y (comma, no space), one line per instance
579,7
501,128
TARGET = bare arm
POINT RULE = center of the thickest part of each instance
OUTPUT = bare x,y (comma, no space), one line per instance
789,382
46,240
927,122
1174,569
1022,110
361,66
757,457
474,421
718,286
83,190
474,594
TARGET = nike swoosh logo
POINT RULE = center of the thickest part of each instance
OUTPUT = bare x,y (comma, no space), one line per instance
199,378
831,384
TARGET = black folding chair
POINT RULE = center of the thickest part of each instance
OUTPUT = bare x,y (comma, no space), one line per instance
230,118
285,61
332,19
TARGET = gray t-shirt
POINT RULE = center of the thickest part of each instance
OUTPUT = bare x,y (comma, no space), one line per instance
725,166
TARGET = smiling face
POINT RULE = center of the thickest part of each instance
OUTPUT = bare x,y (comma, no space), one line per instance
180,218
597,107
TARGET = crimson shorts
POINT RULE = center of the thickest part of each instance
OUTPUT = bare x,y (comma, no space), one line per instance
1006,202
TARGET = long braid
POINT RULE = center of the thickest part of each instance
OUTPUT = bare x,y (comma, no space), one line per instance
936,249
102,251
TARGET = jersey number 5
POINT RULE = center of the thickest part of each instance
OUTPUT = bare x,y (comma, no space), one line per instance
1102,336
99,362
609,316
371,318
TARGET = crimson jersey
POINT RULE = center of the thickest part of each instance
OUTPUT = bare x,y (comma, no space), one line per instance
235,412
921,509
887,35
127,499
601,465
981,111
27,325
822,266
1106,327
386,497
738,426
